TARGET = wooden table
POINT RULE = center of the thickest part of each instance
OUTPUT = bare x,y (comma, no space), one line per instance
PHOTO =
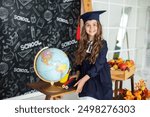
43,88
119,84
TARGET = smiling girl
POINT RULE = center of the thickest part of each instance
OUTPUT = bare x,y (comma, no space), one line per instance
92,69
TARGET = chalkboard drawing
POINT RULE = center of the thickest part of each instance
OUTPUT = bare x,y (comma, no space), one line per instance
3,14
40,23
13,39
32,32
48,15
3,68
65,5
24,2
8,3
24,53
33,18
8,55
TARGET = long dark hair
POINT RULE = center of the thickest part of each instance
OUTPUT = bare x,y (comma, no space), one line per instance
82,47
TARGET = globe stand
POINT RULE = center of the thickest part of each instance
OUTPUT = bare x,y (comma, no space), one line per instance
53,88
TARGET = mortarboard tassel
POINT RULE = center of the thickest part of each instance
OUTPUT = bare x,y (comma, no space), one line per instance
78,32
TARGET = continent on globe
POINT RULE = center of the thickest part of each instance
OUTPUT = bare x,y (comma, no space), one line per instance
46,56
61,68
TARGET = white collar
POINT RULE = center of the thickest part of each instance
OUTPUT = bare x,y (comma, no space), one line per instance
89,50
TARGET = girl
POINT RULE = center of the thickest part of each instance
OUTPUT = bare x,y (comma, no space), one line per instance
92,69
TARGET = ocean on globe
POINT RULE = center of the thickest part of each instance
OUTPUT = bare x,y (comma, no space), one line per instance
51,64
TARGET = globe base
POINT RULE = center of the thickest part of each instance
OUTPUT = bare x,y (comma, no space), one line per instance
53,89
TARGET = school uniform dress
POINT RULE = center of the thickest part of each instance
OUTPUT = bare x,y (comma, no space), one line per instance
99,86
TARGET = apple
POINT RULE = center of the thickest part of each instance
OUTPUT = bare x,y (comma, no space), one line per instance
122,66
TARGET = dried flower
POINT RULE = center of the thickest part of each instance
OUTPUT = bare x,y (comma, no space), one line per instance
141,92
141,85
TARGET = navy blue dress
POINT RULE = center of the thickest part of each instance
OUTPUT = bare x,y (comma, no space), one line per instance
99,85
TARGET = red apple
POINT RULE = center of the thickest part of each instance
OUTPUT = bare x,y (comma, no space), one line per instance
123,66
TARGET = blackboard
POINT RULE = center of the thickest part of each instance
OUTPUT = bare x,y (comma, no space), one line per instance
26,26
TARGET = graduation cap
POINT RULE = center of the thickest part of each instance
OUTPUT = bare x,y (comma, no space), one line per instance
93,15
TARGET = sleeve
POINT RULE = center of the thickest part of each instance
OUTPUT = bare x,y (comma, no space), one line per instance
100,61
77,67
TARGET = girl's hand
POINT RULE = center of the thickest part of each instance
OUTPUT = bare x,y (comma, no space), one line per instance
81,83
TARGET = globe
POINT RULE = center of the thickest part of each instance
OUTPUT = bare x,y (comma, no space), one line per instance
51,65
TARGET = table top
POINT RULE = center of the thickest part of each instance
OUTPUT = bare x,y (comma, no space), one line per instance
44,87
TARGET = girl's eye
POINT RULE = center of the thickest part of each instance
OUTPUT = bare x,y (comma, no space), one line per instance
87,25
94,24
